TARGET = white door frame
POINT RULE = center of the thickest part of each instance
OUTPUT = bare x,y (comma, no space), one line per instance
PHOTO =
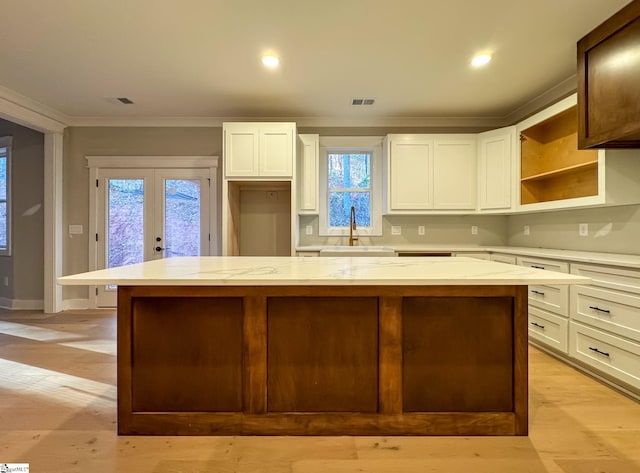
96,163
23,111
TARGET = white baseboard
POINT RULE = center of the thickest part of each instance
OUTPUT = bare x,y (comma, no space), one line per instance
75,304
21,304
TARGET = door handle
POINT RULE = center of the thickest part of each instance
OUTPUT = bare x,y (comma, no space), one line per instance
158,248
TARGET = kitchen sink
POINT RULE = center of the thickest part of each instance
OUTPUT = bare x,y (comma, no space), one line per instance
358,251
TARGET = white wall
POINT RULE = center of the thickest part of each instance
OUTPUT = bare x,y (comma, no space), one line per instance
611,229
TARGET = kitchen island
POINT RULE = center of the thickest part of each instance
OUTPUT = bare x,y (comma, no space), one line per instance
322,346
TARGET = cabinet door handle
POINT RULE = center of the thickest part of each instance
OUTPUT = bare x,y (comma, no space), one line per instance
598,351
537,292
537,267
537,325
606,311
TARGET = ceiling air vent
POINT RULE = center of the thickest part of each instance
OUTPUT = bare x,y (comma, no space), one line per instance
363,101
125,100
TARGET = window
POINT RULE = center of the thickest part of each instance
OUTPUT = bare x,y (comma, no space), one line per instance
5,192
350,176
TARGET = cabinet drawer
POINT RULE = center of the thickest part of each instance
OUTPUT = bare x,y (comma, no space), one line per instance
610,278
509,259
607,353
613,311
552,298
549,265
548,329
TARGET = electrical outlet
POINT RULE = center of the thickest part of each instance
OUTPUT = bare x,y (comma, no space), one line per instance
527,230
583,229
474,229
309,230
396,230
5,280
421,230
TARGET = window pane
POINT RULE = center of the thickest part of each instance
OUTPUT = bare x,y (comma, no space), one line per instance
3,177
125,222
3,225
349,171
340,208
182,217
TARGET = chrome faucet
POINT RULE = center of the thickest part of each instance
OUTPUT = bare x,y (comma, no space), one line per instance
352,226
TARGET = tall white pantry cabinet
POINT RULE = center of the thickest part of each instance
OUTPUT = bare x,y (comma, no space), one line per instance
259,189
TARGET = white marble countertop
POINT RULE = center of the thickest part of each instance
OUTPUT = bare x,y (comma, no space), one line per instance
311,271
612,259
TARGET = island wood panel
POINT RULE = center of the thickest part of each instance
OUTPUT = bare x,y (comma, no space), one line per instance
186,354
390,418
322,354
468,370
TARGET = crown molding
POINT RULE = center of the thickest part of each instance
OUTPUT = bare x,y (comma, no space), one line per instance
27,112
449,122
544,100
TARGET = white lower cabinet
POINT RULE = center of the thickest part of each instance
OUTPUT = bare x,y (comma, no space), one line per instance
552,298
473,254
548,328
604,329
614,356
608,310
502,258
548,306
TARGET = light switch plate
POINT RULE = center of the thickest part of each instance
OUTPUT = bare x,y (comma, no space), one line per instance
75,230
396,230
421,230
527,230
583,229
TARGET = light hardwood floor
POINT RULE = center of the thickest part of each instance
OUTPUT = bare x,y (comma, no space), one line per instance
58,413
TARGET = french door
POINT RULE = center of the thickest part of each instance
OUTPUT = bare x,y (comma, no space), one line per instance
147,214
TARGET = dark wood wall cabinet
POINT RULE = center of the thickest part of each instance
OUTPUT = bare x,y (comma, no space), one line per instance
609,82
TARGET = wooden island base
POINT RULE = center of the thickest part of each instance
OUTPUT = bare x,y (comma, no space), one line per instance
322,360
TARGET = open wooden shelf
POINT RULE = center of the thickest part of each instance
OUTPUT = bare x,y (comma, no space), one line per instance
552,168
562,171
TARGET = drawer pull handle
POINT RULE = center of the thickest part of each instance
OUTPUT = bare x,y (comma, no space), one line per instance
606,311
598,351
537,267
537,325
537,292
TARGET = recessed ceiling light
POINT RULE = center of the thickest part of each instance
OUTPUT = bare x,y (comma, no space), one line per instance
480,60
270,61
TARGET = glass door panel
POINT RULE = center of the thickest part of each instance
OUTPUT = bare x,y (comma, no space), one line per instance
182,217
125,222
182,212
146,214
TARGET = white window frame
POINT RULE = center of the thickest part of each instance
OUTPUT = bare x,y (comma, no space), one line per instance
352,144
7,142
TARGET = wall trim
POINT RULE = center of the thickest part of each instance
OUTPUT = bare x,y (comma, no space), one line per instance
76,304
27,112
152,161
21,304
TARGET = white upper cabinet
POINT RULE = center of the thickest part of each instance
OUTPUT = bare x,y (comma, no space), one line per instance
454,173
431,172
495,169
259,149
410,171
308,160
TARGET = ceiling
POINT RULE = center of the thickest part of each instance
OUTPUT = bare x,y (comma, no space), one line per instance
200,59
